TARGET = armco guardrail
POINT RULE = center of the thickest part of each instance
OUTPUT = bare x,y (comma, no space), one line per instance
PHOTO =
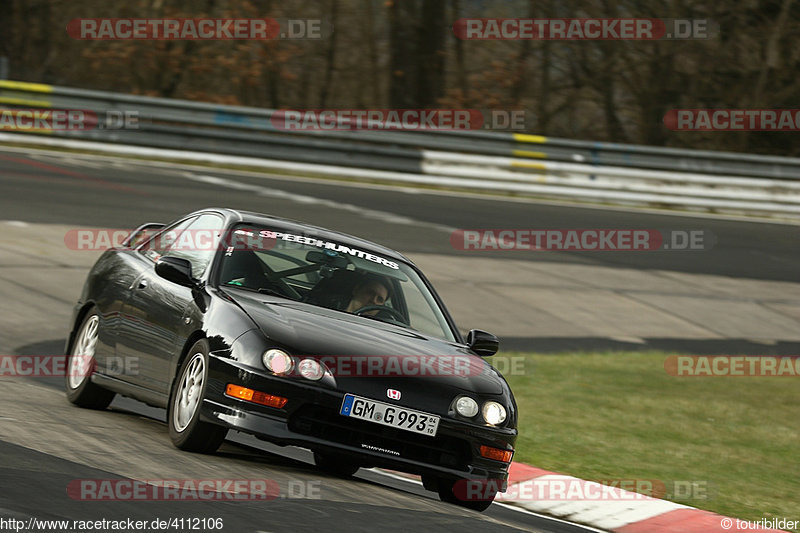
474,160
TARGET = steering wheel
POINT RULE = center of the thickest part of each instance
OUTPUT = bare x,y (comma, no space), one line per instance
382,308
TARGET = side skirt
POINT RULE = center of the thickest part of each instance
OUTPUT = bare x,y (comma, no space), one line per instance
151,398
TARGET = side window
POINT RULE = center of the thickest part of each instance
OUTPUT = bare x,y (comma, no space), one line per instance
160,243
198,242
195,239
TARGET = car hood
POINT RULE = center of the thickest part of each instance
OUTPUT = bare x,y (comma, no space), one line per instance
305,329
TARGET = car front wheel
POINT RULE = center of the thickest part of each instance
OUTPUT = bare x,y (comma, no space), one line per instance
186,430
80,365
336,465
459,493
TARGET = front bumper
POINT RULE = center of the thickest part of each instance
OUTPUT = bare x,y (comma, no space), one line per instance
311,419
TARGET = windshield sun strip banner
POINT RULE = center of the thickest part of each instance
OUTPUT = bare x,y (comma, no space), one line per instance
309,241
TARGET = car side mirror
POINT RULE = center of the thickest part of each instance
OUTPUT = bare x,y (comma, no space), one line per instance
482,342
177,270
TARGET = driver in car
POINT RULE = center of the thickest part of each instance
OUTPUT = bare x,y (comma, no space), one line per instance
371,290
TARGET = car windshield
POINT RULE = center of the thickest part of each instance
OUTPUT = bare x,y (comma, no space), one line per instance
331,275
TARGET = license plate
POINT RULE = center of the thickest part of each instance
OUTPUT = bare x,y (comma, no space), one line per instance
389,415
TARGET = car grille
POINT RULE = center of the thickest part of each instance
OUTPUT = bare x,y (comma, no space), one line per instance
329,425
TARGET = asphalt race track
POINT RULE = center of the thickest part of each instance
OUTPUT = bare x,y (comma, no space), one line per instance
45,442
68,190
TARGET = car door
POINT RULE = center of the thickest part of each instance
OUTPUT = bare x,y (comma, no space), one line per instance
156,308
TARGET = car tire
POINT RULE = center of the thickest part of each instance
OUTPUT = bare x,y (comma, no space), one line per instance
80,365
186,430
335,464
447,495
430,482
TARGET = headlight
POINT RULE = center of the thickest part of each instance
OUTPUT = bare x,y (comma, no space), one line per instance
466,406
494,413
310,369
278,361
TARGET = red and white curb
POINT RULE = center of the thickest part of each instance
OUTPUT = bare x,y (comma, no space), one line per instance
618,510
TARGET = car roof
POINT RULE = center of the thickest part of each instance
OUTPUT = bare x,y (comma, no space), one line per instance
303,228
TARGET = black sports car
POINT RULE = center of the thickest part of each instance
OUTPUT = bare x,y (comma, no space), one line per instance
298,335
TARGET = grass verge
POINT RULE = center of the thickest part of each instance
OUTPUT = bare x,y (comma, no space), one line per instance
621,416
